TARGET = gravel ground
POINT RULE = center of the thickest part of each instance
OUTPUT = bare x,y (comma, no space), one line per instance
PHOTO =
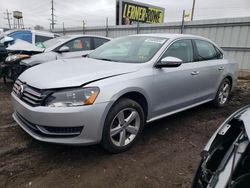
166,155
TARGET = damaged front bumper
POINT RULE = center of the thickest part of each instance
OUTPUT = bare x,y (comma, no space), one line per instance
221,163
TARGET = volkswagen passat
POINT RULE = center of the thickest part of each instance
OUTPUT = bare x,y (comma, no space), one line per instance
109,96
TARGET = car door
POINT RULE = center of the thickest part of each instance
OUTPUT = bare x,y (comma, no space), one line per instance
175,88
77,48
210,65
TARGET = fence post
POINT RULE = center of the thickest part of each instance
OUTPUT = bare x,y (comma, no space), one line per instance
107,27
83,27
138,27
182,22
63,29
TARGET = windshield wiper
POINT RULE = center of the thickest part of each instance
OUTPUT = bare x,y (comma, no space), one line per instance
105,59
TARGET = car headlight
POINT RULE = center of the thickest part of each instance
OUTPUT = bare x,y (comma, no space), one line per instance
16,57
73,97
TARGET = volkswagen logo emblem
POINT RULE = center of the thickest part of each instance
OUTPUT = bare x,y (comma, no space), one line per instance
20,90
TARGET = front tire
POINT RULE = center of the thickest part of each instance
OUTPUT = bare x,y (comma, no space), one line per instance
123,126
223,93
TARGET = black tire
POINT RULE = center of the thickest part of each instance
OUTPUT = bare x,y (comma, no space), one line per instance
217,101
120,106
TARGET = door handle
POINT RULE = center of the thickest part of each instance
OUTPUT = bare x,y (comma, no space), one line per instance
195,73
221,68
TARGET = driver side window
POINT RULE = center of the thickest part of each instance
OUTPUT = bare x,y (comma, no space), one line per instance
181,49
79,44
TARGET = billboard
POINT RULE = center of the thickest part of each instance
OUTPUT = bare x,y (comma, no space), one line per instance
130,12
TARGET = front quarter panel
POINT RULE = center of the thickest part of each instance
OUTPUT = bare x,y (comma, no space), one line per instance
111,89
39,58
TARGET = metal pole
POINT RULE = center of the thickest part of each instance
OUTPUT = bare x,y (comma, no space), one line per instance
182,22
138,27
107,27
83,27
63,29
192,14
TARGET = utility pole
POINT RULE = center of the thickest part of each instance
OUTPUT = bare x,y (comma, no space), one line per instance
192,14
184,15
8,17
53,21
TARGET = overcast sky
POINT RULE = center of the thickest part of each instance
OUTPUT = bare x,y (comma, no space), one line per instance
94,12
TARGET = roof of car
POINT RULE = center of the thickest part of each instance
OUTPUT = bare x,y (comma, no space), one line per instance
170,35
31,30
76,36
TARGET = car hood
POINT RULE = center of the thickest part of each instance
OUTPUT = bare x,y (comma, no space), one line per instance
73,72
21,45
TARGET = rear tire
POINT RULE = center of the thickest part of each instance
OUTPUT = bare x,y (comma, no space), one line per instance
123,126
223,93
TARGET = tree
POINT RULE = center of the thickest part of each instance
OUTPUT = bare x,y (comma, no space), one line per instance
39,27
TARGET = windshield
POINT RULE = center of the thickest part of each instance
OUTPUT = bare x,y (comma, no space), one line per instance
55,41
130,49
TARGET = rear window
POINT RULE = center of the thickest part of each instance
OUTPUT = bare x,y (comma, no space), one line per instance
206,50
99,41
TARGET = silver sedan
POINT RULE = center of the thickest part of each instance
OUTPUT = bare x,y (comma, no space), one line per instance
110,95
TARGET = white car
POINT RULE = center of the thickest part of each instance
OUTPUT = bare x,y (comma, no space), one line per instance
70,46
109,96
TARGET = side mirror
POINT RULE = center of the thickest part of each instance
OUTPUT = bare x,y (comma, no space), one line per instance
169,62
63,49
8,39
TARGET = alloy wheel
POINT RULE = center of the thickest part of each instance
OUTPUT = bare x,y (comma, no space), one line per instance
124,127
224,93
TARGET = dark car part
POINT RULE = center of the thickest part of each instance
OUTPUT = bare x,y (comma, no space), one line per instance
226,158
3,55
13,67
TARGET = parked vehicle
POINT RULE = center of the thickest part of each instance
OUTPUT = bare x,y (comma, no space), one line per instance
27,37
31,36
109,96
226,158
58,48
3,55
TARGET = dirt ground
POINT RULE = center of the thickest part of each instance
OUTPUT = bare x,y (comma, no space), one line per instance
166,155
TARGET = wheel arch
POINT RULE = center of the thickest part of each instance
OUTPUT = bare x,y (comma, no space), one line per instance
137,95
229,77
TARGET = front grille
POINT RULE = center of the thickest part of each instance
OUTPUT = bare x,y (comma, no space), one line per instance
47,131
30,95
